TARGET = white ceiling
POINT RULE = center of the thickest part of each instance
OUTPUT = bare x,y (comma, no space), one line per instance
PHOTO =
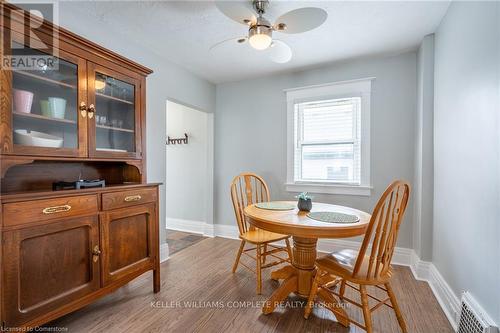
184,31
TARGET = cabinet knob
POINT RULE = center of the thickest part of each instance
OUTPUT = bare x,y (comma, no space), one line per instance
91,110
95,253
83,109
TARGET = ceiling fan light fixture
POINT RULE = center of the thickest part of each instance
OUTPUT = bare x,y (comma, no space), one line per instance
260,30
260,34
260,41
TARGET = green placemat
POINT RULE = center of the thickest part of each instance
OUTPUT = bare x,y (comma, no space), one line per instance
333,217
275,205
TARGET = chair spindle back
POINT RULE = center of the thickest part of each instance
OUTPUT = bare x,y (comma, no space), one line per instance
383,230
247,189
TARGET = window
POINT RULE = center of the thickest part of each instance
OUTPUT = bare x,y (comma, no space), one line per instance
328,138
327,141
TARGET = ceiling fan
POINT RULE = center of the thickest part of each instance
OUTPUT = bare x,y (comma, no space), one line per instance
260,30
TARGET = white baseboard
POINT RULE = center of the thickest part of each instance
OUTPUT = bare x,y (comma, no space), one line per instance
164,252
447,299
419,268
227,231
422,270
192,226
209,230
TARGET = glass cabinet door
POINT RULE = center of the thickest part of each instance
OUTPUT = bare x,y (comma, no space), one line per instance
45,104
115,116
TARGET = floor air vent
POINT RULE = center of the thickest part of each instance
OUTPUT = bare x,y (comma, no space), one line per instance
473,319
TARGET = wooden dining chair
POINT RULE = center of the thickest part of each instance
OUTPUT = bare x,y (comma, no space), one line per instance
247,189
371,265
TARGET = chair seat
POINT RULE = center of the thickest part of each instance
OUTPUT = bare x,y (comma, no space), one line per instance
341,263
259,236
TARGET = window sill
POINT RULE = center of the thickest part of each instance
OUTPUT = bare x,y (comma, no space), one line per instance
329,188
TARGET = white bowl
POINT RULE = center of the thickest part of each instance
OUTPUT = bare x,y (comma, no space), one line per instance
38,139
22,137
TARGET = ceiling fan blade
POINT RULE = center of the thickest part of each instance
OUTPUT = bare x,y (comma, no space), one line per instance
229,42
240,10
300,20
280,52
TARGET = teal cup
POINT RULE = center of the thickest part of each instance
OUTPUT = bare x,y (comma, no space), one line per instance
57,107
44,107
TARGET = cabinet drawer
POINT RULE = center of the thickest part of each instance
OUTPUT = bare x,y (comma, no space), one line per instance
128,198
19,213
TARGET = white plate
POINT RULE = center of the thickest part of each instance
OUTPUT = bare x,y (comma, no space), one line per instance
38,139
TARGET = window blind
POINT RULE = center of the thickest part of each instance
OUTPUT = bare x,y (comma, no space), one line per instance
328,141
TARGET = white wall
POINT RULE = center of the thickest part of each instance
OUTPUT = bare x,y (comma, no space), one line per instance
423,184
250,130
169,81
466,235
187,165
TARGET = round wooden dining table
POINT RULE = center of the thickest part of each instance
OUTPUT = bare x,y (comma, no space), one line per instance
305,232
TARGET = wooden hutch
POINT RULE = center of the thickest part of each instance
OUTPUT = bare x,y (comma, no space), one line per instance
83,119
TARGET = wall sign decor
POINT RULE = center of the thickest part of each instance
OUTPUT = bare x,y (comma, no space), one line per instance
180,141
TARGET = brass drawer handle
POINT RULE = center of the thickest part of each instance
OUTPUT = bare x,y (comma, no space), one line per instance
131,198
56,209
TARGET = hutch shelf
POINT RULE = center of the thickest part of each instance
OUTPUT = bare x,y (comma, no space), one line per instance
84,118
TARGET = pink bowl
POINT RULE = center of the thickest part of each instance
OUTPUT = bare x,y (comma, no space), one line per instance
22,101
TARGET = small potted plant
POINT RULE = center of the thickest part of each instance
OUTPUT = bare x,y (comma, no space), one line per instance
305,202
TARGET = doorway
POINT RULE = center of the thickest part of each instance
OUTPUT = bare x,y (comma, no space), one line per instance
189,168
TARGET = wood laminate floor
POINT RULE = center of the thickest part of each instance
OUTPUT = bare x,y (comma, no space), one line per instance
199,294
179,240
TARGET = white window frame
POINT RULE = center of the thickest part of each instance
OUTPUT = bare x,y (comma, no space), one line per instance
344,89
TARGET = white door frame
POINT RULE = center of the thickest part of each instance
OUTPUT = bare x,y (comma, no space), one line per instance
209,210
